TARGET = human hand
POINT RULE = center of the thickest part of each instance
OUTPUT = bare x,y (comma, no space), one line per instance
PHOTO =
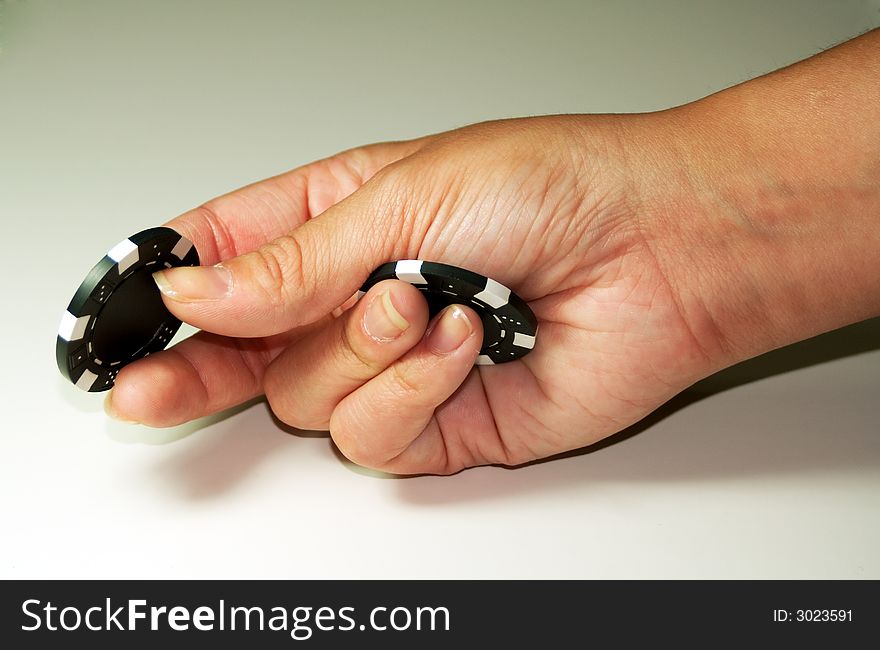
591,219
543,205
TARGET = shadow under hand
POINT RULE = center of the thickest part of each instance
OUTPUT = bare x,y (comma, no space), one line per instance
302,433
838,344
800,426
227,451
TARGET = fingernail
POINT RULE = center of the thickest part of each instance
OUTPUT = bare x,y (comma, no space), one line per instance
196,283
111,412
382,321
450,331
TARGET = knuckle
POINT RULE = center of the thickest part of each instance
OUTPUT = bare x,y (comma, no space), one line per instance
351,168
277,398
346,439
397,221
405,385
295,417
288,407
277,270
206,219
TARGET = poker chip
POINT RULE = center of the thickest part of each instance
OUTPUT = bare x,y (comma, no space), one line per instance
117,315
509,326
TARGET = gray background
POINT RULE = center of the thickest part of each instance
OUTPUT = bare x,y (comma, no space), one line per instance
115,116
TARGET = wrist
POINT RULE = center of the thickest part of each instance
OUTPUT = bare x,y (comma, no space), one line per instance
771,232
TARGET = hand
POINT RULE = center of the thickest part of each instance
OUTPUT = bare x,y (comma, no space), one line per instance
635,247
545,205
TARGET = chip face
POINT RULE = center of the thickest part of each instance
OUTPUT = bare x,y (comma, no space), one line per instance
509,326
117,315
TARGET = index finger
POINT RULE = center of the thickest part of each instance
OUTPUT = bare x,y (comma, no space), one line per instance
245,219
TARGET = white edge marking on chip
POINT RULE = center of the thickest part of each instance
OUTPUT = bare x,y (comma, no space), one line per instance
360,294
181,248
523,340
495,294
484,360
125,253
410,271
73,328
86,380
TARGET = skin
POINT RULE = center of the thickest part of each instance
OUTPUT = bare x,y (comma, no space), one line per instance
654,249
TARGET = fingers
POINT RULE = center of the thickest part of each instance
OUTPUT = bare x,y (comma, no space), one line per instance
306,382
388,422
207,373
293,280
199,376
374,377
281,269
244,220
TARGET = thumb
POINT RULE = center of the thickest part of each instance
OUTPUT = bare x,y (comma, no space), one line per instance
291,281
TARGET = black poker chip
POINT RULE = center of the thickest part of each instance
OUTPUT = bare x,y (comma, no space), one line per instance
509,326
117,315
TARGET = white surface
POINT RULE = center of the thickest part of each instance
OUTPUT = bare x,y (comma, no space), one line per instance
116,116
